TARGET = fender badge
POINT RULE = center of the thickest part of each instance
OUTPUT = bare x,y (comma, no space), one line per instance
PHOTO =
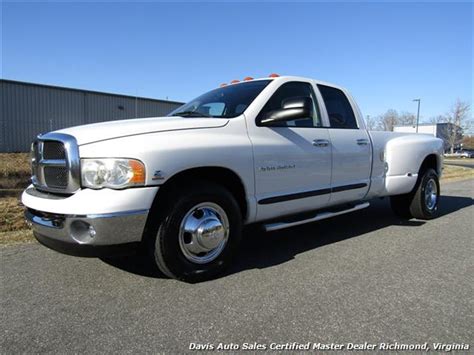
277,167
158,175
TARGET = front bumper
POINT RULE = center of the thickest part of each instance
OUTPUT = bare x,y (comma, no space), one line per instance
89,235
89,222
88,201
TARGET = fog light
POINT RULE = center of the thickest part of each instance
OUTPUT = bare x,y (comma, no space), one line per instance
92,232
82,232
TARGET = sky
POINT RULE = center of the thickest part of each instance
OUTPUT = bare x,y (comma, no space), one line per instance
385,54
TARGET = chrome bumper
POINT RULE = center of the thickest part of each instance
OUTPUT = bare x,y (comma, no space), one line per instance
85,231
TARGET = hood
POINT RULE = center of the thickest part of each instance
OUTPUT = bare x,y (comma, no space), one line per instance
115,129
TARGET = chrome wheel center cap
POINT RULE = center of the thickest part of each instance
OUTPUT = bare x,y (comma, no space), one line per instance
431,194
204,232
210,233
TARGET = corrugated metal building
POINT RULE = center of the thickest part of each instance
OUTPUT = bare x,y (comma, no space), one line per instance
30,109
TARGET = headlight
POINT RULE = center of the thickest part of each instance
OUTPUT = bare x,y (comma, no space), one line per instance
112,173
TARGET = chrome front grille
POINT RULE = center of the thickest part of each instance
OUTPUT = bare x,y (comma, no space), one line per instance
55,163
56,176
54,150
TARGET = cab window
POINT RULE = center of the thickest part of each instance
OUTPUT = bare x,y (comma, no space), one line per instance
339,108
212,109
292,90
225,102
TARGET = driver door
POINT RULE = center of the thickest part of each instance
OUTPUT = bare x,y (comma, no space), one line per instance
292,158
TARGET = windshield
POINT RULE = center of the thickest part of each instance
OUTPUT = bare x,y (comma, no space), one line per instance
226,102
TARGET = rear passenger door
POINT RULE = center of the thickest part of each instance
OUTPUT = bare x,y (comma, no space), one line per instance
351,148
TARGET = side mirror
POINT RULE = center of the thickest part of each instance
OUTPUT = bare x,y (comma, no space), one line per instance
292,109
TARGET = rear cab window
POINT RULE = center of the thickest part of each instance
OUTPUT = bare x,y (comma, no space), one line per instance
340,112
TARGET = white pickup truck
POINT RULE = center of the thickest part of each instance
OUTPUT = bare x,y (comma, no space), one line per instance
277,151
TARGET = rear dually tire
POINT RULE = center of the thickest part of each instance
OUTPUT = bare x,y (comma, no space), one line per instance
422,202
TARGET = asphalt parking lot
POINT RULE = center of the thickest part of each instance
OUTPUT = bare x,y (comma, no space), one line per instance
367,276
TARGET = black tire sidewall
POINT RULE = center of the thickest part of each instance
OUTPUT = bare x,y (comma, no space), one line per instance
168,252
419,203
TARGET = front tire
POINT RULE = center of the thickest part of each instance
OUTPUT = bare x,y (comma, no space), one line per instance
199,233
422,202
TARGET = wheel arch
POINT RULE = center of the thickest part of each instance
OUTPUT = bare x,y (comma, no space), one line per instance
431,161
225,177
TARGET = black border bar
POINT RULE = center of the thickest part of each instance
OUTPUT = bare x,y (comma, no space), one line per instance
300,195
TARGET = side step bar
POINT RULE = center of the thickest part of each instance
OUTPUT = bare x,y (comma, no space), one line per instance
317,217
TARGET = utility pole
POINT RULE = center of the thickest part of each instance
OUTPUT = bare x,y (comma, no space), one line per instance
418,114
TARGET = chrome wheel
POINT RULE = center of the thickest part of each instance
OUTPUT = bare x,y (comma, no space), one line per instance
203,233
431,194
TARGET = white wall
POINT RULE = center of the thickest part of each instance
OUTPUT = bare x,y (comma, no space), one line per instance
425,129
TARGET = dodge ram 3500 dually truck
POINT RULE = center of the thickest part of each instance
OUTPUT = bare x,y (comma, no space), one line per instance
277,152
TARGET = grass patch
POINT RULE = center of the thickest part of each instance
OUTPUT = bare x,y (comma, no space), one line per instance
11,215
452,172
15,171
13,228
16,237
15,175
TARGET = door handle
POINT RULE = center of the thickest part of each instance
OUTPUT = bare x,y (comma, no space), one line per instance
320,142
362,142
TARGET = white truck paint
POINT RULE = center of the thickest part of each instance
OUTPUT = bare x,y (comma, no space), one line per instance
281,169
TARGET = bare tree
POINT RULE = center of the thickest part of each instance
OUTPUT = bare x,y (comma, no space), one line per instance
371,123
468,142
388,120
437,119
456,123
407,118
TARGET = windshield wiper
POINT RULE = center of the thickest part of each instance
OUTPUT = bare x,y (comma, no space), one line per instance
191,114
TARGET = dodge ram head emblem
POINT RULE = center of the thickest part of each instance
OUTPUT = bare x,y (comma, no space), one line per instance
158,175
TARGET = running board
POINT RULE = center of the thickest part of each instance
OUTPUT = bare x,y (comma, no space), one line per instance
317,217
